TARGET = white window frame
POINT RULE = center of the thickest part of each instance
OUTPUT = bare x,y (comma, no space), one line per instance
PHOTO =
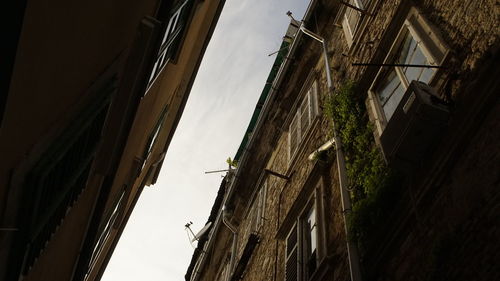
105,234
431,45
298,131
259,208
350,31
153,137
293,253
170,33
299,229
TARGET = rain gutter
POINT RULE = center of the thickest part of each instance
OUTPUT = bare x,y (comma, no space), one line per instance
265,110
263,114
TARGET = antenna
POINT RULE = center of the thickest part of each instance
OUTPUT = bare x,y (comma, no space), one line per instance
275,52
232,164
217,171
200,233
187,226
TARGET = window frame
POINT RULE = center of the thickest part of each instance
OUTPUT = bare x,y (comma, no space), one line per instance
302,243
153,136
257,212
108,228
48,182
171,37
432,47
343,20
313,112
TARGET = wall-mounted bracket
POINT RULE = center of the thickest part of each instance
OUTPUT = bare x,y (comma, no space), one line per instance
355,8
277,174
397,64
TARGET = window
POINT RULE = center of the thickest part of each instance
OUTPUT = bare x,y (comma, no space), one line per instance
171,37
106,232
302,120
416,44
258,208
153,136
352,18
304,244
57,178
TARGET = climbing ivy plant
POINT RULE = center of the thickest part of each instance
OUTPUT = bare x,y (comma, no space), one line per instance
372,184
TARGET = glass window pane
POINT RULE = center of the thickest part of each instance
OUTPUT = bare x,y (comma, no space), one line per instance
406,50
311,226
419,73
393,101
426,75
411,53
352,17
387,86
152,76
419,57
413,73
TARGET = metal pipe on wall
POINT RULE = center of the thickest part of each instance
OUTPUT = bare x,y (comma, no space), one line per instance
234,243
352,248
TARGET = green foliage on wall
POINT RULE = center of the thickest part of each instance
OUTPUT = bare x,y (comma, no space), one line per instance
374,187
232,162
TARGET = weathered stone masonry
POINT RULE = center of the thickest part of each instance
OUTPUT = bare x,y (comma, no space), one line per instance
446,223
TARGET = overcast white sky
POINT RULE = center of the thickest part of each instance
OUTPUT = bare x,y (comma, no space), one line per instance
154,245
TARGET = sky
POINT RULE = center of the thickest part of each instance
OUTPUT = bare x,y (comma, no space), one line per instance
154,245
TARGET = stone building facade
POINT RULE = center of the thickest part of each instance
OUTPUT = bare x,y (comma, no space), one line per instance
280,216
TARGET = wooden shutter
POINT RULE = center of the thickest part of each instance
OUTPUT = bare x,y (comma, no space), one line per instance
292,262
352,19
313,92
294,135
258,208
262,205
55,182
304,116
258,213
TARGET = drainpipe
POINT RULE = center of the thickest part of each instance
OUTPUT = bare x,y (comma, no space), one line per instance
352,248
242,163
235,242
327,145
202,258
